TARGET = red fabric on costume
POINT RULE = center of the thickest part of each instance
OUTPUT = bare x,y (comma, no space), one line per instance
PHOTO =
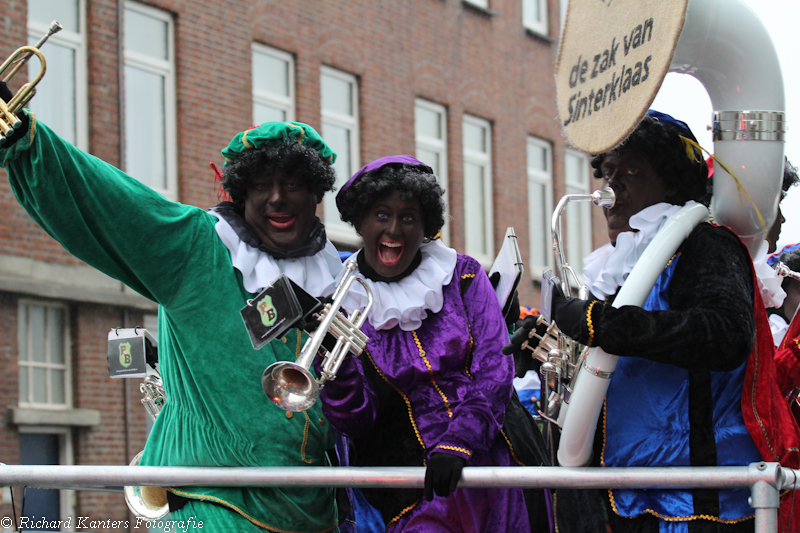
766,411
787,358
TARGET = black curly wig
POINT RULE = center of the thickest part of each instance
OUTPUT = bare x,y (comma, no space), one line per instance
294,160
413,182
661,144
790,177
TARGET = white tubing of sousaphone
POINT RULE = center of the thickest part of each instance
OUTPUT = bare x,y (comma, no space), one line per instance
726,47
729,50
575,448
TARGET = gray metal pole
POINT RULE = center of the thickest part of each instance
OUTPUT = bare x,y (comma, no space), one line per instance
765,495
765,480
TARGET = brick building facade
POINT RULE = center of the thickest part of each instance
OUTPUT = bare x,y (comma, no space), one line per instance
466,85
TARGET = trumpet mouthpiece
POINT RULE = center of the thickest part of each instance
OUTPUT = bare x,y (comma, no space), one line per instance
55,27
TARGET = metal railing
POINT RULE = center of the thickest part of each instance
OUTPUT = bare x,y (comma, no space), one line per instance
765,480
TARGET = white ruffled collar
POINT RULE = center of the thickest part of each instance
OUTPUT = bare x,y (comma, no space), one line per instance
314,273
607,268
406,302
768,281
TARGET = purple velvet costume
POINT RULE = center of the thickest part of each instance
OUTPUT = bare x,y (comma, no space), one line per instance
455,383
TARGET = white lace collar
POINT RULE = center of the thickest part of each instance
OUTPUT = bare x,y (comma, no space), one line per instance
768,281
406,303
607,268
313,273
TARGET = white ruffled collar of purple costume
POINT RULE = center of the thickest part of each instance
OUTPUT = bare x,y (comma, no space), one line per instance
314,273
607,268
407,302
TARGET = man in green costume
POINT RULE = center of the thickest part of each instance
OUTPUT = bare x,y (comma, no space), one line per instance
202,267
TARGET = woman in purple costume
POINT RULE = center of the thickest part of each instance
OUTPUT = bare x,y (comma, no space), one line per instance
432,386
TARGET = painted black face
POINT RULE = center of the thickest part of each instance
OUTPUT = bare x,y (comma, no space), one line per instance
392,231
281,210
636,185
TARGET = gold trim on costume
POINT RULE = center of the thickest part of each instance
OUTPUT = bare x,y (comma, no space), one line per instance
246,144
589,323
302,131
404,511
207,498
468,364
455,449
405,399
305,441
511,449
430,369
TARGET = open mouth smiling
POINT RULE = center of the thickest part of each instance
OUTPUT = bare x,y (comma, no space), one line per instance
390,252
281,220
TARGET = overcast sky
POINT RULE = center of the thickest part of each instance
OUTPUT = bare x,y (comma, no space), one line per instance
684,97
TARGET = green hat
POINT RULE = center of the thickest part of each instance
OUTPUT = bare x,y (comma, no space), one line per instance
275,133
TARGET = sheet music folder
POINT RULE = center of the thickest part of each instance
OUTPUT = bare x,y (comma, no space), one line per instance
509,264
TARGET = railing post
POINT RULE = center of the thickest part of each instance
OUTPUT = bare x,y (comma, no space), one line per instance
765,481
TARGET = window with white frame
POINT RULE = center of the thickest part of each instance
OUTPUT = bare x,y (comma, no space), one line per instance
430,130
540,204
339,92
534,15
577,177
150,139
273,85
61,97
478,213
44,359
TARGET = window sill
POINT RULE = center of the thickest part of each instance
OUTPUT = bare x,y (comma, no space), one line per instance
32,416
479,9
540,36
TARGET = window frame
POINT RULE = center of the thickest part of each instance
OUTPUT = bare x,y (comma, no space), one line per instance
540,177
439,146
22,306
583,187
76,42
537,25
335,228
167,68
285,103
483,159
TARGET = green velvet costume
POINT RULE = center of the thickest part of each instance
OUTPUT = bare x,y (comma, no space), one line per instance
216,413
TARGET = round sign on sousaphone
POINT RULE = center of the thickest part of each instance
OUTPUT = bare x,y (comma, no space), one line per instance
612,60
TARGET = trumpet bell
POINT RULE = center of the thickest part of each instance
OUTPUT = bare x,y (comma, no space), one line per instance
148,502
290,386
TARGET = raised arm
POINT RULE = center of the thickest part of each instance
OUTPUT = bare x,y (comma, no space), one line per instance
101,215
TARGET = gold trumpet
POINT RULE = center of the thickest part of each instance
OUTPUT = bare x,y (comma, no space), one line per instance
9,121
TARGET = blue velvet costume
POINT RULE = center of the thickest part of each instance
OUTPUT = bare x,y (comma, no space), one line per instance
675,397
657,432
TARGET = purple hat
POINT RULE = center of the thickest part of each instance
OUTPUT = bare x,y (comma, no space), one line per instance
379,163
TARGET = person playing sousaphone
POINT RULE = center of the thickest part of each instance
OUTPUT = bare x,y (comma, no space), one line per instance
675,398
202,267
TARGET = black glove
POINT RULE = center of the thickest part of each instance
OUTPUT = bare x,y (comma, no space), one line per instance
18,133
442,474
569,314
522,332
5,92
